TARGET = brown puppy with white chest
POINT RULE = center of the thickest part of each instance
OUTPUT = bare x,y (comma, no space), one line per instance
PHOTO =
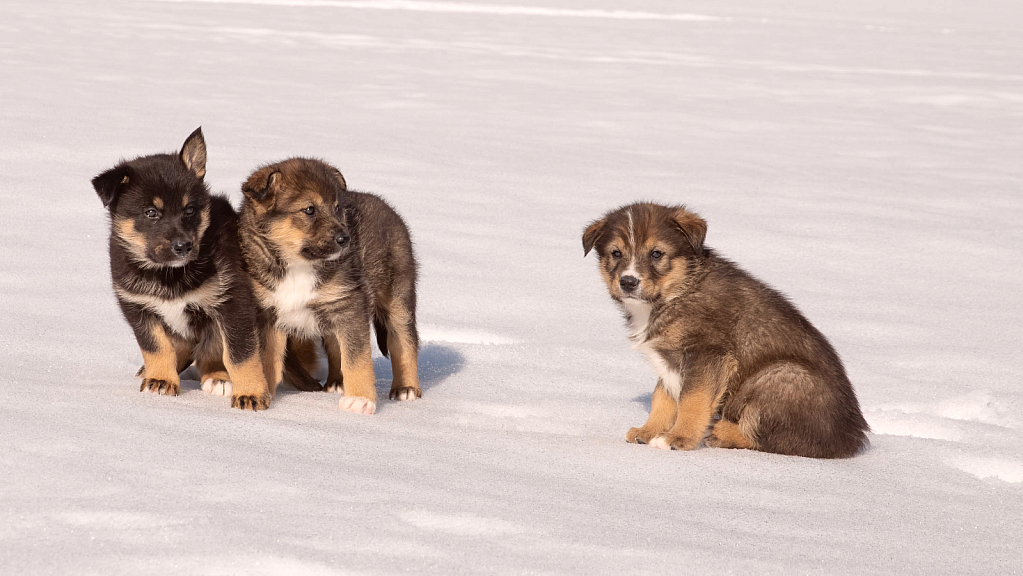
326,262
721,340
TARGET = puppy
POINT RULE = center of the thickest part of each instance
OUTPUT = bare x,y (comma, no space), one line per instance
179,278
722,343
327,262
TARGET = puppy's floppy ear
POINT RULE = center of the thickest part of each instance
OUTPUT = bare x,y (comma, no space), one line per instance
593,233
193,153
263,185
109,183
691,226
340,178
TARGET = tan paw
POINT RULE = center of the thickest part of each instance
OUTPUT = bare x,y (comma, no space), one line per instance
217,387
358,405
639,436
165,387
405,393
669,442
250,402
334,386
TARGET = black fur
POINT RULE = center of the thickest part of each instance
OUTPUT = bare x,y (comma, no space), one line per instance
146,198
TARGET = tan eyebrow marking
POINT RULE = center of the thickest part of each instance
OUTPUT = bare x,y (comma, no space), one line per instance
158,202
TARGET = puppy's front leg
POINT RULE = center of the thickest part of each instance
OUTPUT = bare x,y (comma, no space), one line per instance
663,409
695,408
352,339
249,388
700,394
159,353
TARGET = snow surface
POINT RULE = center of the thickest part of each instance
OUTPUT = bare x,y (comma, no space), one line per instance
864,157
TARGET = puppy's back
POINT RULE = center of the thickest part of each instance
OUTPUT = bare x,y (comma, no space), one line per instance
788,371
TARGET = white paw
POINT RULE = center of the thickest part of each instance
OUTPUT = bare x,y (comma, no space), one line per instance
217,387
358,405
406,394
660,443
334,387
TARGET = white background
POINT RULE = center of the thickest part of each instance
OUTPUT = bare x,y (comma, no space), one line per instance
866,158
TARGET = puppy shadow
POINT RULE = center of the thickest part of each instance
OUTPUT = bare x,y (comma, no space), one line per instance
645,399
436,363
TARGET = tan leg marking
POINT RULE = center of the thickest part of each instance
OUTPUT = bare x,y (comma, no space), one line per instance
695,407
249,390
727,434
360,390
183,350
404,365
161,367
663,410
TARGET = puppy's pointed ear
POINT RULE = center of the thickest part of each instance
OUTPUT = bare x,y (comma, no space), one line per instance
263,185
193,153
592,234
691,226
109,184
340,179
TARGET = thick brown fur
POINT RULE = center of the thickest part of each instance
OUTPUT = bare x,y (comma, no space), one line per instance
326,263
723,344
178,275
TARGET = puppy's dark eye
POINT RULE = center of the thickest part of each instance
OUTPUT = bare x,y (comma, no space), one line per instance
152,213
310,210
616,253
656,254
189,210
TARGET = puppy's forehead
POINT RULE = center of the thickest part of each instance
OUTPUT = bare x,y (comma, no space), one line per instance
304,188
639,225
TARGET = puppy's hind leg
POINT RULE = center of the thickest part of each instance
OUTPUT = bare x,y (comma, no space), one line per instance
213,376
403,342
300,355
335,378
727,434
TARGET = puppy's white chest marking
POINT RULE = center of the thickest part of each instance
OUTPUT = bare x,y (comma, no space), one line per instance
670,376
639,318
639,322
292,297
174,312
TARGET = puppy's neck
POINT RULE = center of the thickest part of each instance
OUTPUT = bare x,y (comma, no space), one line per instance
637,315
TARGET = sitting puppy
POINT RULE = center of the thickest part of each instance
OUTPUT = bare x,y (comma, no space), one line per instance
325,263
720,339
179,278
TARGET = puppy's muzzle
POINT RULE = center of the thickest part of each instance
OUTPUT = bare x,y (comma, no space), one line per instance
181,247
628,283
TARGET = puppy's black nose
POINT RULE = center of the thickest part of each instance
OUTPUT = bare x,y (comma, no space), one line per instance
181,248
342,239
628,283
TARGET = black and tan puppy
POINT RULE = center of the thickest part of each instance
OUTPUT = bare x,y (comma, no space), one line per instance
720,339
327,262
179,278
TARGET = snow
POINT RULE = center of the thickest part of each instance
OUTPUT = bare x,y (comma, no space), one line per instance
862,157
